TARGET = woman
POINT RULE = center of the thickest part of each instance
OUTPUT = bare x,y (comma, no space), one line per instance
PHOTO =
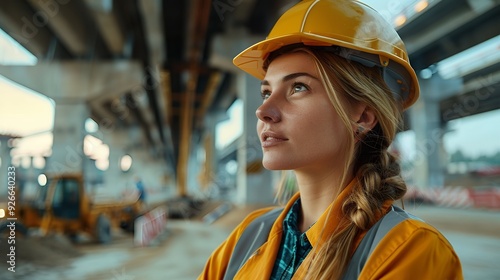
335,79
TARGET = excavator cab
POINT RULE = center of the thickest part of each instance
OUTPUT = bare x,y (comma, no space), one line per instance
66,200
63,198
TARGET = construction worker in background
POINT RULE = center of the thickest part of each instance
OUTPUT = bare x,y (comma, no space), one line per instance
335,78
140,189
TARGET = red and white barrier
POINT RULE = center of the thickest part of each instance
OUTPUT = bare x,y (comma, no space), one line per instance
489,198
149,226
458,197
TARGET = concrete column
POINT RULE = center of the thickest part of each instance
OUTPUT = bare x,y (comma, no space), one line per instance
215,178
5,162
67,149
425,119
210,127
255,187
30,177
195,167
115,180
150,170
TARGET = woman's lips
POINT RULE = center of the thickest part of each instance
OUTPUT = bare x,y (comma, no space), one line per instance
270,139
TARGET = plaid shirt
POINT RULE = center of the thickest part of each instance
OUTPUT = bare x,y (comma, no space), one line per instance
294,246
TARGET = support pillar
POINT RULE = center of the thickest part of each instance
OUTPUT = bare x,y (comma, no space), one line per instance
425,117
255,185
195,164
152,171
212,175
115,179
67,148
5,162
210,165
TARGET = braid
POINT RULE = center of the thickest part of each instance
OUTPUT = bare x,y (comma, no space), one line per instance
379,177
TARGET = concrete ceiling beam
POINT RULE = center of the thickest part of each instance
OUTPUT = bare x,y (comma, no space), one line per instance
108,25
78,79
151,13
441,30
449,27
18,19
66,20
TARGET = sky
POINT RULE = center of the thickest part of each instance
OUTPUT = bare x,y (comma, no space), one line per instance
472,135
36,115
475,135
232,128
391,9
27,113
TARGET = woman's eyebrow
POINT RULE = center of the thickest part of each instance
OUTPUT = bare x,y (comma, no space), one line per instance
290,77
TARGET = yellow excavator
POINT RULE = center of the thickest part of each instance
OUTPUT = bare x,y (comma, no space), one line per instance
64,206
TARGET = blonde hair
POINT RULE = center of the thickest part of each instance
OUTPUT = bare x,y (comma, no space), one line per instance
377,171
287,187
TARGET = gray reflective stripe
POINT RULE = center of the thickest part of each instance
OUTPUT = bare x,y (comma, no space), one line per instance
372,238
257,232
254,235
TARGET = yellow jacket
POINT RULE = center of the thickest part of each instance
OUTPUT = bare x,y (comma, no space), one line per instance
411,250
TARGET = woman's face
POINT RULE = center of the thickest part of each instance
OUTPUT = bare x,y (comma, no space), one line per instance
298,127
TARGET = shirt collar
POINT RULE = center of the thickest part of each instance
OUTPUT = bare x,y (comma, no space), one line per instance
291,221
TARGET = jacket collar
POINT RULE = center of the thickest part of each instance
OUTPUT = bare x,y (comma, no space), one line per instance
331,220
322,229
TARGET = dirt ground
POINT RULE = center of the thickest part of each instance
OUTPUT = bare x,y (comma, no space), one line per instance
33,253
181,252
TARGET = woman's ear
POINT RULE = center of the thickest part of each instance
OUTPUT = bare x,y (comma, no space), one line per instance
365,119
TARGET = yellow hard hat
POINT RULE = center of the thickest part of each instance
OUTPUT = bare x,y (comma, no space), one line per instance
362,33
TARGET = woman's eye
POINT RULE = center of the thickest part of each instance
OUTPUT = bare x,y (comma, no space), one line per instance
265,94
298,87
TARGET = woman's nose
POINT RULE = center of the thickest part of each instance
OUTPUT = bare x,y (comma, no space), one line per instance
268,111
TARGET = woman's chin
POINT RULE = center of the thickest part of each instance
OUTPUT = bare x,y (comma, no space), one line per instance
274,165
